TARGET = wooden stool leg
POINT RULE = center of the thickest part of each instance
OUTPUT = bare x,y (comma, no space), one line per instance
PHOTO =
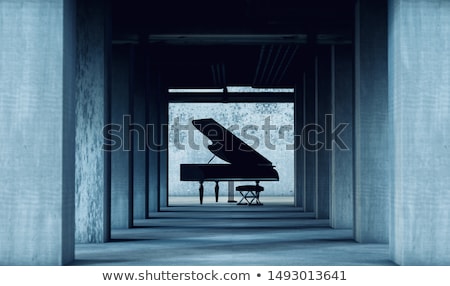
216,190
250,194
258,202
200,191
243,197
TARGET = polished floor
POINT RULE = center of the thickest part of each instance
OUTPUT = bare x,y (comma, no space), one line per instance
224,234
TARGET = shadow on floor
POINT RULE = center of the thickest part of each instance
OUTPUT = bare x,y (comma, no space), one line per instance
231,235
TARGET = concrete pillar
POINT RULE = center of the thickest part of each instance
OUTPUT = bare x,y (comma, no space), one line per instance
121,154
323,109
419,89
231,191
309,137
138,131
164,150
154,138
371,158
341,183
299,162
92,220
37,130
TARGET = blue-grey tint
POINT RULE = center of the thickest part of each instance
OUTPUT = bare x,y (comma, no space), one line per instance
341,180
371,156
91,88
121,177
419,93
37,132
266,127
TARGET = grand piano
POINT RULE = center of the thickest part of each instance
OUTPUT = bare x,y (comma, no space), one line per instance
245,163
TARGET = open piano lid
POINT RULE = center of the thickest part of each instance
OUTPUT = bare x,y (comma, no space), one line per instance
228,146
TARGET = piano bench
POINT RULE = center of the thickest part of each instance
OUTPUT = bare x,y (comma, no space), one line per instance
250,194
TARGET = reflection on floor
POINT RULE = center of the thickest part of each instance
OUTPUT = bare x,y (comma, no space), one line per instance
214,234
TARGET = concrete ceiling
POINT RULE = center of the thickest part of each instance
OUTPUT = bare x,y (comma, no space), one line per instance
232,42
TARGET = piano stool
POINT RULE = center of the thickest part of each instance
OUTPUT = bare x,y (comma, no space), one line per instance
250,194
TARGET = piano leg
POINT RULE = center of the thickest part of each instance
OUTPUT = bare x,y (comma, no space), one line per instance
200,191
216,190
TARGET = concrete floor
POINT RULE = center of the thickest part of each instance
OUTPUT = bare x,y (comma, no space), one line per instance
223,234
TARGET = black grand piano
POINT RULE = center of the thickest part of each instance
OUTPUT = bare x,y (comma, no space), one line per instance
245,163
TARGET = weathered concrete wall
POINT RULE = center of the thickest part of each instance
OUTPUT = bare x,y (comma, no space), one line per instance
91,195
371,156
419,93
37,132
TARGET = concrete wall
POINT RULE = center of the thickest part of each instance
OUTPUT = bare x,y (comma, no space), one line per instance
419,89
37,132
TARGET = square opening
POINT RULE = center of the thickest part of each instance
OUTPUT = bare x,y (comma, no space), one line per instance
268,128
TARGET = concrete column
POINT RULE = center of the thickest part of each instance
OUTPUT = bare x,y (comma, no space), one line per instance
154,138
157,138
164,150
323,149
299,162
419,89
231,191
37,130
121,154
341,183
92,114
309,137
138,131
371,158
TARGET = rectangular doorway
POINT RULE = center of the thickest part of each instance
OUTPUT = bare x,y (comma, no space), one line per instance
266,127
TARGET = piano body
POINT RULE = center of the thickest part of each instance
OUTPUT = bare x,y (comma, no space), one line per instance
245,164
